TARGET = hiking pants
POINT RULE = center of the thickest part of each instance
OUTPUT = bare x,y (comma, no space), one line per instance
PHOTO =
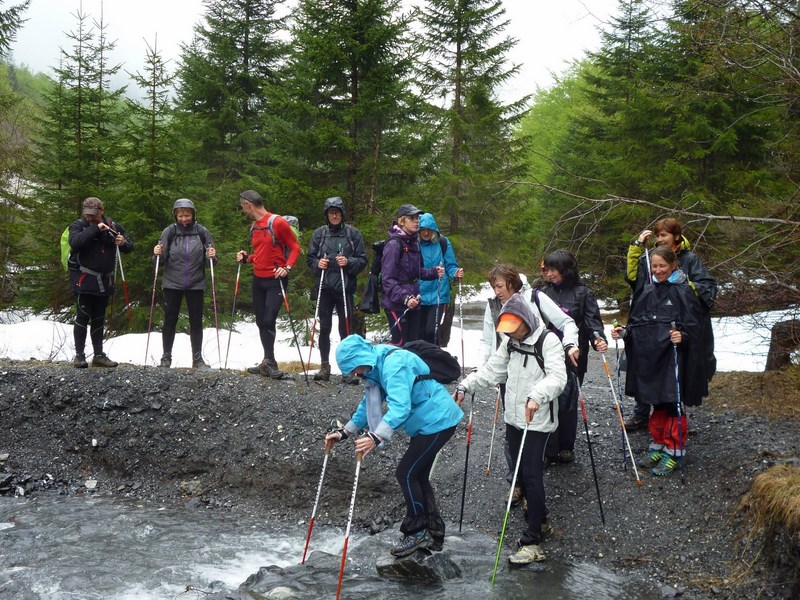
531,473
431,313
413,475
409,327
328,301
172,309
267,300
90,313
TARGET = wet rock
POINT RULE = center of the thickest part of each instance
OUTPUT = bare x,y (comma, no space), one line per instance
420,566
668,591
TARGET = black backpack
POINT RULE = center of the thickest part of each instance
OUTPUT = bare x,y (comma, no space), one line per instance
443,365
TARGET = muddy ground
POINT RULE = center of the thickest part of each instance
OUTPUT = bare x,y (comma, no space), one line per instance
237,442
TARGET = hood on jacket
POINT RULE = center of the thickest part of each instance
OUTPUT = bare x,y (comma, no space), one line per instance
354,351
184,203
396,231
334,202
518,305
426,221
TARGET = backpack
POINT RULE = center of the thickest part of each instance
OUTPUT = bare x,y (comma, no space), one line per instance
443,365
370,299
173,231
66,249
294,224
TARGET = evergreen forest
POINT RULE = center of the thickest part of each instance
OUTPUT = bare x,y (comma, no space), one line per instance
688,109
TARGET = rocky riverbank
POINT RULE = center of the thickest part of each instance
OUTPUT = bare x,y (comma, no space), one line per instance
237,442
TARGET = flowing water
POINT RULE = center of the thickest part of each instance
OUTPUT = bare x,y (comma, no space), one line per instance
91,548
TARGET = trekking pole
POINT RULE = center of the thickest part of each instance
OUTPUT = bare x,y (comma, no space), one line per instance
316,316
619,413
647,262
461,325
359,458
214,302
508,504
591,453
466,461
291,322
125,291
114,295
494,428
233,313
400,318
680,408
152,304
615,324
328,448
344,297
436,313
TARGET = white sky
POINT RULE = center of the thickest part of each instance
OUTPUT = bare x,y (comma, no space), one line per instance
549,33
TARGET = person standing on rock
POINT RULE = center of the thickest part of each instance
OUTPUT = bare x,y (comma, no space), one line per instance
336,256
668,234
275,251
436,251
93,240
651,346
184,247
423,408
564,287
531,363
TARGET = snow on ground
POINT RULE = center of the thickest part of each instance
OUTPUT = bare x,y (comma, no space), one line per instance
741,342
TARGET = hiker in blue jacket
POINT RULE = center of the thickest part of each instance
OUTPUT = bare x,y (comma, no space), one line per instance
336,252
93,240
184,247
422,408
437,251
401,272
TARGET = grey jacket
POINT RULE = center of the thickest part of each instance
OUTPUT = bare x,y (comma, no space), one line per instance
184,257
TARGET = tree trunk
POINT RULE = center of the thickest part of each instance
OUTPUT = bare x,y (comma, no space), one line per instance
785,339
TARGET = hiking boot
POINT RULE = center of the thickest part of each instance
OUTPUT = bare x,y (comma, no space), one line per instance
79,362
516,496
526,555
198,362
668,464
324,373
566,456
550,460
411,543
256,369
269,368
101,360
651,460
166,361
635,423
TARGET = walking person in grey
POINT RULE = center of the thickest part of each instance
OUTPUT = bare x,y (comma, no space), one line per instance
93,240
184,247
336,256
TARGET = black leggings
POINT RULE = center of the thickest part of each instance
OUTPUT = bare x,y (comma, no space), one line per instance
90,313
531,474
413,475
267,300
431,313
328,301
172,309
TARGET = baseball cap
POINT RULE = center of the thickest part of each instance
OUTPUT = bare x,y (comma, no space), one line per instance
92,206
408,210
508,323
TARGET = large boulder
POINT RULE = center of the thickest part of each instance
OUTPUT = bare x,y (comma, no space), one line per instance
420,566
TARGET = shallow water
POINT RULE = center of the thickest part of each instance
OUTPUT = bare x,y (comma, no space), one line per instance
90,548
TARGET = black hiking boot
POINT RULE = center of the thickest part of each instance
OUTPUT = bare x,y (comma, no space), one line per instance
411,543
256,369
198,362
166,361
101,360
269,368
79,362
635,423
324,373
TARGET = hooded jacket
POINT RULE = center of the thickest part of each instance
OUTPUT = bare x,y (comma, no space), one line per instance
514,364
436,291
401,269
94,256
184,257
650,354
329,241
425,407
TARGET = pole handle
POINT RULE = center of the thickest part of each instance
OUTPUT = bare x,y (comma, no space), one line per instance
359,456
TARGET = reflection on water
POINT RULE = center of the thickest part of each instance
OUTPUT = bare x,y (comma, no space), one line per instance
79,548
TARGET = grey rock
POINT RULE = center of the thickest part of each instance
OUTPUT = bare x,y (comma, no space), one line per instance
420,566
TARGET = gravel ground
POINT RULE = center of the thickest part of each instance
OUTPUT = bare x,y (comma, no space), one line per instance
237,442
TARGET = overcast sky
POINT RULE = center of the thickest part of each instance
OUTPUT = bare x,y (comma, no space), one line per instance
550,32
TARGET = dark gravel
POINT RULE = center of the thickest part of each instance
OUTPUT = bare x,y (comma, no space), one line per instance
237,442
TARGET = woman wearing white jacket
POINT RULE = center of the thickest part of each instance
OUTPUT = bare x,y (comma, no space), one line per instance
531,363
